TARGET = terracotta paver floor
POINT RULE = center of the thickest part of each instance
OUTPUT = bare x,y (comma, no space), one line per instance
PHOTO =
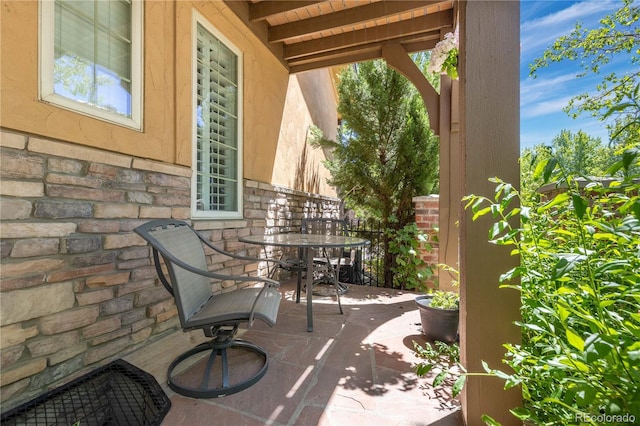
353,369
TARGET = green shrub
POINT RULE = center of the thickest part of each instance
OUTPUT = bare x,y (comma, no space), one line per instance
579,279
409,269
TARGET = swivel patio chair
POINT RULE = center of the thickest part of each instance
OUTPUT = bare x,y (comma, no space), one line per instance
205,370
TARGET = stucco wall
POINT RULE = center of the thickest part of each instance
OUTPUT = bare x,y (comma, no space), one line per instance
277,112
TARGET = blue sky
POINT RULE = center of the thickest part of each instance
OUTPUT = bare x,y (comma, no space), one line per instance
542,99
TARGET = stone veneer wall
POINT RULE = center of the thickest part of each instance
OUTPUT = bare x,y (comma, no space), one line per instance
427,211
77,286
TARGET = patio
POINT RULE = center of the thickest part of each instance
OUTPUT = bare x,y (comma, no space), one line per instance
353,369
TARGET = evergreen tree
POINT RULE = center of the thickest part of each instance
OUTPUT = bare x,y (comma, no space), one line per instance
387,153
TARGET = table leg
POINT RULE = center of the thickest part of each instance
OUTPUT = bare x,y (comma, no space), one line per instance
309,289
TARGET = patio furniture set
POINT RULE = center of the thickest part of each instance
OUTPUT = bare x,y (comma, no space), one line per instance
205,371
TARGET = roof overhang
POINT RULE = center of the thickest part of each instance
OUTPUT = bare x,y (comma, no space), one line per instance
307,35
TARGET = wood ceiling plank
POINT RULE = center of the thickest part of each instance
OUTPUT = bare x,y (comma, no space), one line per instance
416,26
267,9
348,17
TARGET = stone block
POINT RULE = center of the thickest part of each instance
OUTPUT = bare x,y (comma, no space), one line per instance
78,152
36,230
83,181
52,344
134,253
69,320
182,213
33,247
78,273
122,241
154,166
134,286
22,371
18,165
14,208
117,306
101,258
18,188
158,308
104,338
111,211
94,297
130,176
101,327
12,140
102,170
132,264
9,391
99,227
35,302
172,200
139,197
64,165
143,273
9,356
108,349
137,318
17,283
67,353
59,373
150,212
83,244
165,180
164,316
80,193
15,334
152,295
60,210
108,280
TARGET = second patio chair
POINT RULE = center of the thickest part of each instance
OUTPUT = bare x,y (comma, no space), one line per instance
205,371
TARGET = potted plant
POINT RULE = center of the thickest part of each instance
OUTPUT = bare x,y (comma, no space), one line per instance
440,311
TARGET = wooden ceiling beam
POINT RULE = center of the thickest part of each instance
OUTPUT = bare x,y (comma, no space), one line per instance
348,17
359,53
267,9
417,26
327,62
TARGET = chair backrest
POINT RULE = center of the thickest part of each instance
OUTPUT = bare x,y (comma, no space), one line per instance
324,226
175,239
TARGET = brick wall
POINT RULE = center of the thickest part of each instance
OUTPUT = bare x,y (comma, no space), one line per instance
427,211
77,286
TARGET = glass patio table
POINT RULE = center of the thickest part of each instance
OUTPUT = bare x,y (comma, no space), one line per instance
307,242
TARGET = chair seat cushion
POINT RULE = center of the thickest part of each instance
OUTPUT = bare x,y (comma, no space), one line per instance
236,306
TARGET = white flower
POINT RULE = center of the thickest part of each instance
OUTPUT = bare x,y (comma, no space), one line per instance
444,55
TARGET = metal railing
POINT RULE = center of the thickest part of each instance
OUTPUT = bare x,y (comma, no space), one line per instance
370,263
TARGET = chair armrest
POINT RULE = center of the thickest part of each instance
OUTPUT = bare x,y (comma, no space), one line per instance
216,275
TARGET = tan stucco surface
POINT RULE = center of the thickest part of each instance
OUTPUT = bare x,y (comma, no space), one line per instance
277,111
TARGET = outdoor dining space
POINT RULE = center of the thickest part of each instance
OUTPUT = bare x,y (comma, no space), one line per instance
355,368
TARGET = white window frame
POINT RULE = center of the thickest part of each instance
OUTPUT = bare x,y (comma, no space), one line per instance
46,62
215,214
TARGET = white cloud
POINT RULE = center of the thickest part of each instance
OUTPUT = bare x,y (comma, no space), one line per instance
550,106
531,90
541,32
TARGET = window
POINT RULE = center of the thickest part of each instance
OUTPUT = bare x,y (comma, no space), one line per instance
217,150
91,58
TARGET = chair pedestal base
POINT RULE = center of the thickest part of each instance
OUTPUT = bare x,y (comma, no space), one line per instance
197,374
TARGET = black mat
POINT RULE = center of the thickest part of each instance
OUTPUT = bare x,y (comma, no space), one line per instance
116,394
